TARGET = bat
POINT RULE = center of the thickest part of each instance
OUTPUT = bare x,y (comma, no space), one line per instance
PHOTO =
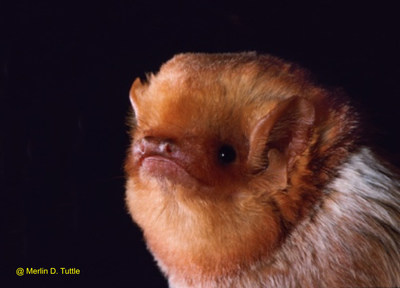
244,172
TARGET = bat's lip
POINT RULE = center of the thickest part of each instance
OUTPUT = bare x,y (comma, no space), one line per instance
164,167
162,160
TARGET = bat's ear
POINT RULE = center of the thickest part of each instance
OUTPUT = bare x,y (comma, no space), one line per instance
281,136
134,93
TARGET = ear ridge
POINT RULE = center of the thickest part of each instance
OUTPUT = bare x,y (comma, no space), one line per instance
134,92
287,128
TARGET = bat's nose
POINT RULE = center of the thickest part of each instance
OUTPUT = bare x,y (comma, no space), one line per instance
156,146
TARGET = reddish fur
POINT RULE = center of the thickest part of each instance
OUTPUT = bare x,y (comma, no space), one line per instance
222,226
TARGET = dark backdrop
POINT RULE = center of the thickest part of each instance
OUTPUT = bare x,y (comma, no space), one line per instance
65,71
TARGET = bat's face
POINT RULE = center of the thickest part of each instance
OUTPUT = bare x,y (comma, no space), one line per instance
192,137
215,142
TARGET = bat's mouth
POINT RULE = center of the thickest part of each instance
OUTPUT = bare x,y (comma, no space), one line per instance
164,159
157,164
167,168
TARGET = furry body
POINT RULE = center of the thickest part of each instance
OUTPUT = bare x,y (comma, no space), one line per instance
294,201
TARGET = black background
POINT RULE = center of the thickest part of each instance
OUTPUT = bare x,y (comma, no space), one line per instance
65,71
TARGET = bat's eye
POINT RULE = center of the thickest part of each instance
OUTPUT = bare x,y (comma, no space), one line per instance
226,154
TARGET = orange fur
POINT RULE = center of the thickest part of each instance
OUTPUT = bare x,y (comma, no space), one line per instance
262,217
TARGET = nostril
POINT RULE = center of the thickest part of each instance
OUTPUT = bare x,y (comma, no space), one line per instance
165,147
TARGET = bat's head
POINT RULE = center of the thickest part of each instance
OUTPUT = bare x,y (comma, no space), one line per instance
224,155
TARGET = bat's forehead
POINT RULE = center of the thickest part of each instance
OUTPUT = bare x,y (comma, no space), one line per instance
199,97
194,105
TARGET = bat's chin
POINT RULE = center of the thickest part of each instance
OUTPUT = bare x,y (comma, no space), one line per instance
165,168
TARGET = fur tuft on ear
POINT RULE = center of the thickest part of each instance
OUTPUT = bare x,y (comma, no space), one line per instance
286,129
